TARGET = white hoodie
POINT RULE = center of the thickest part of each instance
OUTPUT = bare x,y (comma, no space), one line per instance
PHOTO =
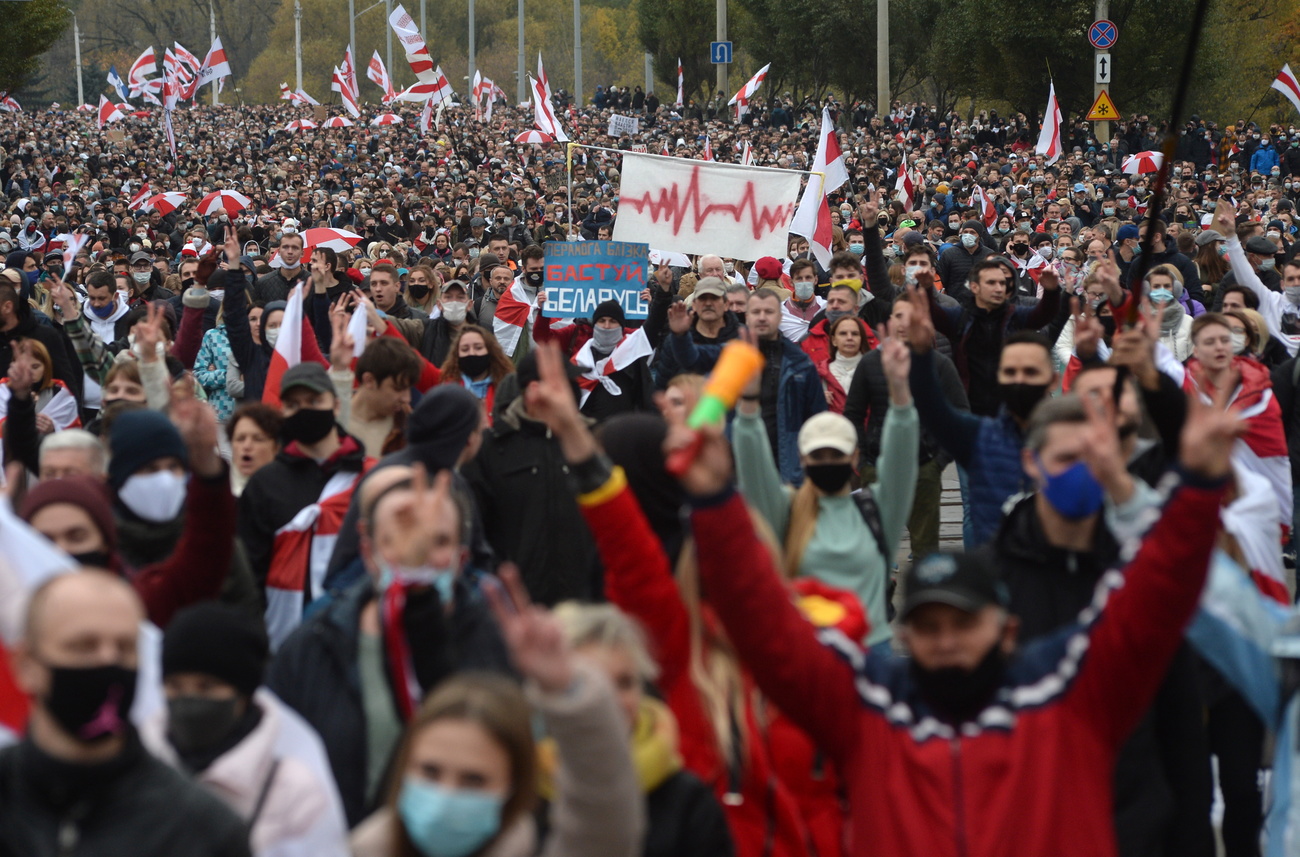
103,328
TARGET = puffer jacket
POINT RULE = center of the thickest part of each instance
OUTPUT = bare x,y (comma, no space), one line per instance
271,772
988,447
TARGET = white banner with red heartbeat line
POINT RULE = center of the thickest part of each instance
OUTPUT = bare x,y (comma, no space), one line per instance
704,207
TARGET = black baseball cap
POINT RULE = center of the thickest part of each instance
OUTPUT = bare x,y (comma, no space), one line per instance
968,581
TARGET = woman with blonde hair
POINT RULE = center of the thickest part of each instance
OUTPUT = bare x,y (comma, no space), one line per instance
683,818
651,573
465,776
844,541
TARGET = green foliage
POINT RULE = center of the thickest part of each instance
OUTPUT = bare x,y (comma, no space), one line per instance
27,30
670,29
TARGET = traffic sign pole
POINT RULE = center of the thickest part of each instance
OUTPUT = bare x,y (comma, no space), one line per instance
722,37
1102,129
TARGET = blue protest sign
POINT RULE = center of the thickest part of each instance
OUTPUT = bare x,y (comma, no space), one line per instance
581,275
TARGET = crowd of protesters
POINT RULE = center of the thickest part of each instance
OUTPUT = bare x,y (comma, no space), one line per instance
434,590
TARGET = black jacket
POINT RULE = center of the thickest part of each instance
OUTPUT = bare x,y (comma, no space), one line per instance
1162,787
435,343
520,482
954,267
684,819
141,807
316,674
1287,391
66,366
274,287
867,403
282,489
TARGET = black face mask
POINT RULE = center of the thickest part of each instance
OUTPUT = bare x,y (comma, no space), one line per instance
474,365
307,426
1020,249
829,478
534,279
1107,326
196,722
418,291
1020,399
92,559
91,703
959,695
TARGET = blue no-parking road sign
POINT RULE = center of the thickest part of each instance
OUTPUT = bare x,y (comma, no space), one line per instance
720,53
1103,34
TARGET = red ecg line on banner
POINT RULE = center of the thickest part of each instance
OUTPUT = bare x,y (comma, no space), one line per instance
671,206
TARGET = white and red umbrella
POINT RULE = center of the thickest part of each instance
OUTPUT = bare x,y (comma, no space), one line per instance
338,122
166,203
86,108
534,136
386,119
1144,162
300,125
232,201
337,240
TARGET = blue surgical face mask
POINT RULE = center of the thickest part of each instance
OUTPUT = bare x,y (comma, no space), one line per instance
1161,296
857,249
1074,492
104,311
446,822
441,579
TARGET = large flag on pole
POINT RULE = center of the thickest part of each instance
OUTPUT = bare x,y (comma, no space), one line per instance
417,52
1049,139
544,114
379,76
813,219
288,347
745,93
437,89
542,78
215,65
980,201
906,188
119,85
145,65
680,82
691,206
344,82
1286,83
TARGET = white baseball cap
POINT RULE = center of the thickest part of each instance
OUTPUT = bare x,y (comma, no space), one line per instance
827,430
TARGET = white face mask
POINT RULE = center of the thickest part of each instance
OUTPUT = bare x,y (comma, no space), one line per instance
1045,251
141,277
454,311
272,335
729,267
803,290
1238,343
155,497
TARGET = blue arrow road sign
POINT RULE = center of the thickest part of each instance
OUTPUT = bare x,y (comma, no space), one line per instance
719,52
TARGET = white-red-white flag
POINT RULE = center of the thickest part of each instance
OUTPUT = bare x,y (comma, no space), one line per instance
813,218
139,198
108,112
215,65
417,52
745,93
426,119
542,78
708,148
1286,83
906,188
344,82
8,104
543,114
981,202
437,90
681,81
747,155
1049,139
295,96
379,76
144,65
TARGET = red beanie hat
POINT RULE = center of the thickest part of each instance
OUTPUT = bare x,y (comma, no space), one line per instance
84,492
768,268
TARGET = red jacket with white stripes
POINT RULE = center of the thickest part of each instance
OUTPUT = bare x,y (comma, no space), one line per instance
1032,774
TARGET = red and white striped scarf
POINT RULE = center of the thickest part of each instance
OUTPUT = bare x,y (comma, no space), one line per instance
631,348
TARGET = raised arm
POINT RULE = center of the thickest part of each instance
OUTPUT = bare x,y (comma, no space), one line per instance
955,430
1133,638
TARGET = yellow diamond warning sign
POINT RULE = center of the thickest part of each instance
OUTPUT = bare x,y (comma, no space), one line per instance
1103,108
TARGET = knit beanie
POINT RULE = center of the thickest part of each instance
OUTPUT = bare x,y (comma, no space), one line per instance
441,424
84,492
609,309
217,640
137,438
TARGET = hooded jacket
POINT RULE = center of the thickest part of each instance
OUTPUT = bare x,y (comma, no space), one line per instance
520,482
254,358
103,327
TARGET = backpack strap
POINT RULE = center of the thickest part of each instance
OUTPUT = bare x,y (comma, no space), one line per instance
871,517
